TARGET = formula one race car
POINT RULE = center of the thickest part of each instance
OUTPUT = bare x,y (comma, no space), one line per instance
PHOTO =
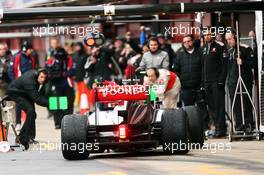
126,120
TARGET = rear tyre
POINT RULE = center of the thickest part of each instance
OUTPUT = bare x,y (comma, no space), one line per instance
175,131
74,137
196,124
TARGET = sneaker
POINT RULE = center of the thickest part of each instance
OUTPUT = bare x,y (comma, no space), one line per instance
57,127
209,133
33,141
22,142
18,128
25,145
206,133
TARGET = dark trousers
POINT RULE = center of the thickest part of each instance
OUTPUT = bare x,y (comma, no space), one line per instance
193,96
63,91
215,98
18,120
28,130
246,104
188,96
18,115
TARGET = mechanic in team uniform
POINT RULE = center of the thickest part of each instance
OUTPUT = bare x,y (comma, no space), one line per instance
165,84
246,61
22,62
213,79
61,70
154,57
25,91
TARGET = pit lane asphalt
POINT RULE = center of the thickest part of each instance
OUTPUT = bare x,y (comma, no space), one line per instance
240,157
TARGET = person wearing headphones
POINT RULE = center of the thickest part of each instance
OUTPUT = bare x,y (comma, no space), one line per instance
22,61
154,57
25,91
19,64
246,61
166,85
61,70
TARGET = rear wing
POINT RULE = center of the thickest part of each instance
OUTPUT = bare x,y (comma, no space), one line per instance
121,92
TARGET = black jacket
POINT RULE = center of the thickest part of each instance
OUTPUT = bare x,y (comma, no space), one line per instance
246,68
99,70
172,56
214,58
135,46
28,87
189,68
80,59
4,66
